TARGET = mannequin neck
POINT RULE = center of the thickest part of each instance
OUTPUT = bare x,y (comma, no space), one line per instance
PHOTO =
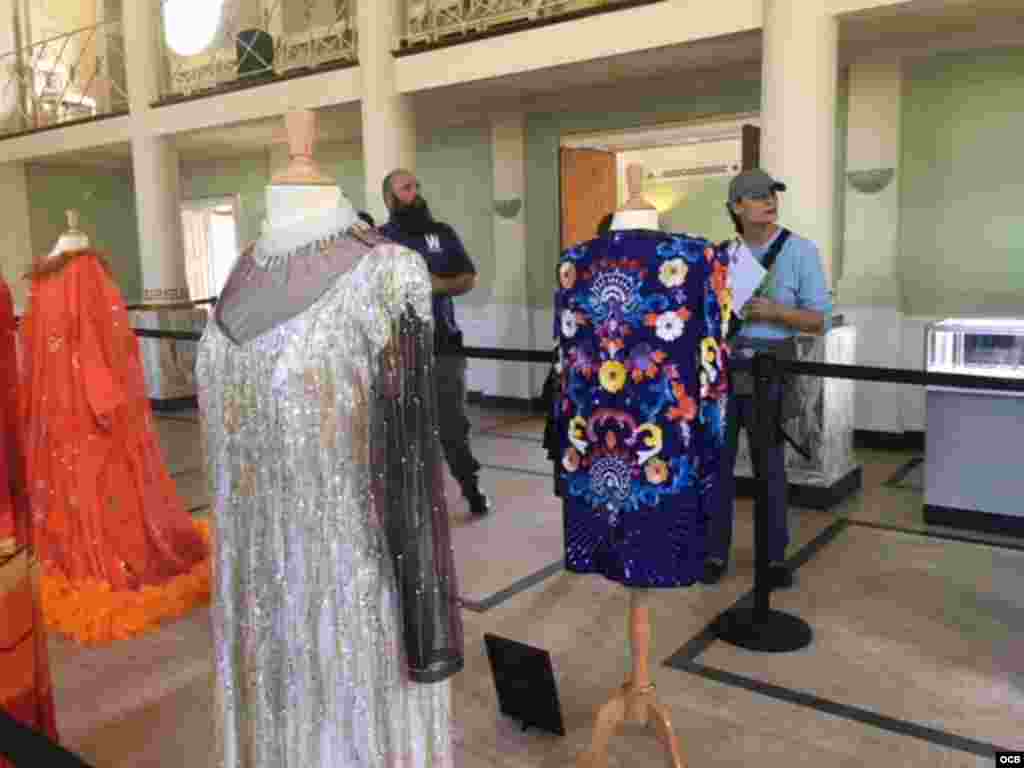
72,240
288,204
642,218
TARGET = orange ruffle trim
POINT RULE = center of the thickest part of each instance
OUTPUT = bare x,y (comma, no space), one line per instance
92,613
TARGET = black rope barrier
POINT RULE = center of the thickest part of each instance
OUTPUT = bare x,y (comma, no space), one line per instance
897,376
509,355
149,333
173,305
798,367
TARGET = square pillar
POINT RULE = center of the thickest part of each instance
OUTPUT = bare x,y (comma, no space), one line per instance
798,106
389,124
16,248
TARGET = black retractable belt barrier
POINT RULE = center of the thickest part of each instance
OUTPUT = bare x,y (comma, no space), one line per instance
762,628
150,333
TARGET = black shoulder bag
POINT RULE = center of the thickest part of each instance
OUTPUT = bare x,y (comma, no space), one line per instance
790,402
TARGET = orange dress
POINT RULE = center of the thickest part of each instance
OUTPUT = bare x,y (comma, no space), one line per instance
25,690
119,552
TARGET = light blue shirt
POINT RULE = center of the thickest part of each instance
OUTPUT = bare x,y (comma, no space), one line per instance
797,280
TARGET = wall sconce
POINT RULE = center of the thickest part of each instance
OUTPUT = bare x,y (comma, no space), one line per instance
870,182
508,209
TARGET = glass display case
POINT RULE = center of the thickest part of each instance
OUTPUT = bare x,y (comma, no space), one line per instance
823,427
972,439
977,346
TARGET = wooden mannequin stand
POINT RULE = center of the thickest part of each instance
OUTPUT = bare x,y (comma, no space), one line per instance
635,701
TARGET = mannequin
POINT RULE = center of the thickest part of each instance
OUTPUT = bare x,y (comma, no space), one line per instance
636,700
73,239
319,432
119,553
640,423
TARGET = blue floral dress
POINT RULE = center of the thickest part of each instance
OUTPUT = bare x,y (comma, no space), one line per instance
640,330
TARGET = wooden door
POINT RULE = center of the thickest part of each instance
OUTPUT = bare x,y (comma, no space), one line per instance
751,147
589,192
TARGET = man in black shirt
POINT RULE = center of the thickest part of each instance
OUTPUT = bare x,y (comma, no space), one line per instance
452,273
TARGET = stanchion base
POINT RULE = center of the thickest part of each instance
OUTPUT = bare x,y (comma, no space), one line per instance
768,631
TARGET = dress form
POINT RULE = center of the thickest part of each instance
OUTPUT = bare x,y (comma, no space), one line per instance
73,239
302,189
637,213
635,701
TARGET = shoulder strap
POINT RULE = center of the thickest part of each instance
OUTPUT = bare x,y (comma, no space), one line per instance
736,322
775,250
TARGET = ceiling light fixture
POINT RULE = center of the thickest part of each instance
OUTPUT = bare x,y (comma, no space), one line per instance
191,25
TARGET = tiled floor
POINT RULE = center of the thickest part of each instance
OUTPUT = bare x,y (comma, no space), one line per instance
917,657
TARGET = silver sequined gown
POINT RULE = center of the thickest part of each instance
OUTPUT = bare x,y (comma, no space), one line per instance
310,670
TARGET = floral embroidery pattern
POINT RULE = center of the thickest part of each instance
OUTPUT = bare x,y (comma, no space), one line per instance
639,321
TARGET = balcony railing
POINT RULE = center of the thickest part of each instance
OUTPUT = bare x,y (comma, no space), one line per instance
260,40
73,76
430,22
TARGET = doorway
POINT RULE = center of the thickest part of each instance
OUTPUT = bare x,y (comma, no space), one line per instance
687,169
210,234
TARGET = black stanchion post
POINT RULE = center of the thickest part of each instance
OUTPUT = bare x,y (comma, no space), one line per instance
760,627
765,423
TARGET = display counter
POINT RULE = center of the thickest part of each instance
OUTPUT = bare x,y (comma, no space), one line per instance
824,428
973,467
169,364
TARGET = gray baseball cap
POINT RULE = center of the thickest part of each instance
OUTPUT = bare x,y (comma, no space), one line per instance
753,183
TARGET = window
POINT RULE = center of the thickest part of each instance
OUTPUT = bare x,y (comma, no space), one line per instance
210,230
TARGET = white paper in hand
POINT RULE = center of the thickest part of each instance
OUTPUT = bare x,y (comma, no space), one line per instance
745,276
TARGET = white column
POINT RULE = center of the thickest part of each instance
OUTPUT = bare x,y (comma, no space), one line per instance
16,251
389,125
798,104
158,209
870,290
145,60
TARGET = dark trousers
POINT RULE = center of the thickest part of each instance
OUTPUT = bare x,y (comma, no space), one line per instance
450,378
772,466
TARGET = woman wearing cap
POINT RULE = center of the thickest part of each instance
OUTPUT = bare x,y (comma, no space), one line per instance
794,298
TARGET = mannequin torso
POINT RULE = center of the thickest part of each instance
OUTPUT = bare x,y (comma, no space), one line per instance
636,219
289,204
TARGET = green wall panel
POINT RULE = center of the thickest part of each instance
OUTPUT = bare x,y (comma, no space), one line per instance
455,169
345,163
702,211
106,201
962,182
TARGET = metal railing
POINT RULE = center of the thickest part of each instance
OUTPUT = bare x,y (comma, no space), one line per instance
73,76
259,40
431,21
